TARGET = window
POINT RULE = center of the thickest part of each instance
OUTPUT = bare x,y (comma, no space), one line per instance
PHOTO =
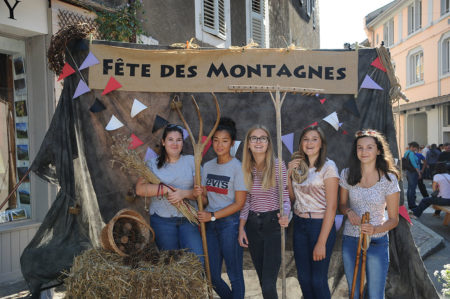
414,16
309,7
256,29
214,18
445,50
388,33
14,130
378,39
444,7
415,67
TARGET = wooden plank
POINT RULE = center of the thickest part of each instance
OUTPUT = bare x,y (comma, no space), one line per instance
23,239
15,251
5,254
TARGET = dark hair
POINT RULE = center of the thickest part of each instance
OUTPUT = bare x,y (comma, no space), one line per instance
441,167
433,146
227,124
384,162
413,144
161,160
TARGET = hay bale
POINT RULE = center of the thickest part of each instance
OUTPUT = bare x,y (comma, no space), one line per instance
98,273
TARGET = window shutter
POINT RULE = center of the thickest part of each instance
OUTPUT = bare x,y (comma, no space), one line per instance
257,22
446,56
410,19
417,15
443,8
385,35
222,22
391,32
214,21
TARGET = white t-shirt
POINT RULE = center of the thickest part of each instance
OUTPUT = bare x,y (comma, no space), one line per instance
443,180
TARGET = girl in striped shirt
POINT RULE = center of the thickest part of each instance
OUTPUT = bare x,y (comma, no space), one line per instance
260,221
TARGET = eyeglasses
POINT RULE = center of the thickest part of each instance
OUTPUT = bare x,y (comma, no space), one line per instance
365,132
171,126
262,139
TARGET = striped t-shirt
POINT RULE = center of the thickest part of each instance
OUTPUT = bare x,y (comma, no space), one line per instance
266,200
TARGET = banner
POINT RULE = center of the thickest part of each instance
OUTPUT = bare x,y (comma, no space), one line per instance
215,70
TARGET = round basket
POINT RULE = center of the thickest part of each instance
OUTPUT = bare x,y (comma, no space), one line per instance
107,238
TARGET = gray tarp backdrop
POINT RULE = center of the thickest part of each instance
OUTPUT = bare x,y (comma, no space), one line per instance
75,155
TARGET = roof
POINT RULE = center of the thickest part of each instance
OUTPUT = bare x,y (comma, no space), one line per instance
374,14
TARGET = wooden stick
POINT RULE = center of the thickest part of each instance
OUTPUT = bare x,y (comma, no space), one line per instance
198,155
364,256
356,269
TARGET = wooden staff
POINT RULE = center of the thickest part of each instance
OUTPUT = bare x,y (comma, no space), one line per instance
198,155
362,244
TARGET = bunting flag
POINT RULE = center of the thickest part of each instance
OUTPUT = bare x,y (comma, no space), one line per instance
344,132
338,221
235,148
113,124
288,141
185,134
135,142
159,123
207,146
90,60
322,101
350,105
66,72
313,124
150,154
82,88
112,85
370,84
340,124
404,213
377,63
137,107
333,120
317,94
97,106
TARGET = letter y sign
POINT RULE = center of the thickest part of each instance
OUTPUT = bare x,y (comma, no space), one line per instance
11,9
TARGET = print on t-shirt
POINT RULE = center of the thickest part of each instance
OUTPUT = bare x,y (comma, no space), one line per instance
217,183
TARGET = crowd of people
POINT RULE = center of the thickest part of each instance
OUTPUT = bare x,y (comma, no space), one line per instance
242,207
427,162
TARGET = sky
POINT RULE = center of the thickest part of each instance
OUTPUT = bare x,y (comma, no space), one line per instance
343,21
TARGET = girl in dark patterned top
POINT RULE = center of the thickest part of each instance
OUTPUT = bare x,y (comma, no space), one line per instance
369,185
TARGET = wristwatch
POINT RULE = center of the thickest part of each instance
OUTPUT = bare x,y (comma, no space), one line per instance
213,218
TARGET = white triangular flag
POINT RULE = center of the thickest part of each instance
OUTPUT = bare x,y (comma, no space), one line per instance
137,107
235,148
333,120
113,124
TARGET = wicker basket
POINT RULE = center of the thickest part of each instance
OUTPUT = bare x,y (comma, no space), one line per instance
107,238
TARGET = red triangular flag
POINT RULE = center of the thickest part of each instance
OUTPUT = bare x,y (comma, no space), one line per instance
322,101
404,213
135,142
313,124
344,132
207,146
66,71
112,85
377,63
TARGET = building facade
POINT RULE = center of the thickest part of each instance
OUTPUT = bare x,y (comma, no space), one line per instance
417,33
29,91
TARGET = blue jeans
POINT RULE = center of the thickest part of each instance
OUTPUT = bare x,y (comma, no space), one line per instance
427,201
312,276
413,178
222,238
377,265
177,233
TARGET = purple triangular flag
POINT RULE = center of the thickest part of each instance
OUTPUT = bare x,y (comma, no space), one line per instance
90,60
288,140
370,84
338,221
82,88
185,134
150,154
340,124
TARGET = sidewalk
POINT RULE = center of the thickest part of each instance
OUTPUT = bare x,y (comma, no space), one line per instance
431,237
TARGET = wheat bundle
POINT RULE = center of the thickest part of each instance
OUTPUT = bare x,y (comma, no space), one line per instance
132,162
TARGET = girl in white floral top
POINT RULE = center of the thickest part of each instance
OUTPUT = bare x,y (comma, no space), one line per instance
369,185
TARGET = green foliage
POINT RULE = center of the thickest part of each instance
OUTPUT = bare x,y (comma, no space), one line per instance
123,24
444,277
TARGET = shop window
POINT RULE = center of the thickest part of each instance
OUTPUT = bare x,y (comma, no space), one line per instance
257,22
415,67
414,16
444,7
388,33
14,145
